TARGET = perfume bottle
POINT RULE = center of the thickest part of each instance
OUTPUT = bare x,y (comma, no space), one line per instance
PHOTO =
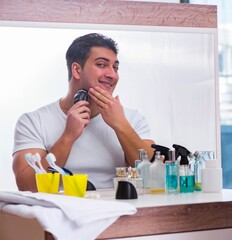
157,174
144,170
128,175
121,175
139,160
135,180
172,174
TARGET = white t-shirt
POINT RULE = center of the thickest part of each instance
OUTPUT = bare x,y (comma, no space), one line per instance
97,152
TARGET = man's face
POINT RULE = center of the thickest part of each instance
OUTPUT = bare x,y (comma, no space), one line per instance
101,69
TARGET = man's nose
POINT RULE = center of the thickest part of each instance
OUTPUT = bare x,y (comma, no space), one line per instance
110,72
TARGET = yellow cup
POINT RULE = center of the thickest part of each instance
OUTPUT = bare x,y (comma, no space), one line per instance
47,182
75,185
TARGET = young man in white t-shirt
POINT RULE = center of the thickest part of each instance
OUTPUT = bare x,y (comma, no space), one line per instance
93,136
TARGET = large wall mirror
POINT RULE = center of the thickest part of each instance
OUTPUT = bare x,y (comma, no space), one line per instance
166,72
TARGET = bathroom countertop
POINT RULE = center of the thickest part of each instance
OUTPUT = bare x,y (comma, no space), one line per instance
158,215
158,200
183,212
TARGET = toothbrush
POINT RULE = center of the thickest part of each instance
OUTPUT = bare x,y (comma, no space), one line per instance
65,169
29,159
51,161
37,158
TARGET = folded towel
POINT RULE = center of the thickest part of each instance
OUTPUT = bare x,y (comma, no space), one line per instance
63,216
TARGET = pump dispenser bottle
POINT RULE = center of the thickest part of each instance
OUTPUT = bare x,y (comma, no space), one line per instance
144,169
157,174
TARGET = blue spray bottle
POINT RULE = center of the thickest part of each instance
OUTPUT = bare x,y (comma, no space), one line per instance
186,176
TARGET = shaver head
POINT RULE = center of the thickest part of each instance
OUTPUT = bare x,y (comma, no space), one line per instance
81,95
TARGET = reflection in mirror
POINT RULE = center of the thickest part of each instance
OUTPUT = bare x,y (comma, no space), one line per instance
166,73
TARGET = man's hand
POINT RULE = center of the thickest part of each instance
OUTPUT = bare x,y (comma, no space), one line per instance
78,118
109,107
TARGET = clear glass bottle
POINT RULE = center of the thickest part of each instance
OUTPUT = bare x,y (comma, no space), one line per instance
192,160
136,181
139,160
199,164
129,175
157,175
172,174
121,175
144,169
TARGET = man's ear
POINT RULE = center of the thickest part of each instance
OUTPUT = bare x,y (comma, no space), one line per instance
76,70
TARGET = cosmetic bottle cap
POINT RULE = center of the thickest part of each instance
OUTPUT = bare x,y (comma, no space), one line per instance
196,154
172,155
140,153
144,155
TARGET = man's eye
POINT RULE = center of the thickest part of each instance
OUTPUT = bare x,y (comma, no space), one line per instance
101,65
116,69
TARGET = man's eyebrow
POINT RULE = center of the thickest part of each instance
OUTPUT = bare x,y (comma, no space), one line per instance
106,59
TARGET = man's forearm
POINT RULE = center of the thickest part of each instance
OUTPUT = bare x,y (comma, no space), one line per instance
131,142
61,149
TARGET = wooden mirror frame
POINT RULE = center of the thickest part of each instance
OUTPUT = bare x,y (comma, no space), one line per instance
112,13
121,12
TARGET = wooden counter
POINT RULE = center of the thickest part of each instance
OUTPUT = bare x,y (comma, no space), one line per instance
162,214
157,214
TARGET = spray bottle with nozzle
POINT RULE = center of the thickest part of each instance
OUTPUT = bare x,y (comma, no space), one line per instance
162,149
171,168
186,176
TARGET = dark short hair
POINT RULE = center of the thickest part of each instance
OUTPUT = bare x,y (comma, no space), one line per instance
80,48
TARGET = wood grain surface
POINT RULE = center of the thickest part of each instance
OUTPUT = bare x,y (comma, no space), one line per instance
152,220
172,219
110,12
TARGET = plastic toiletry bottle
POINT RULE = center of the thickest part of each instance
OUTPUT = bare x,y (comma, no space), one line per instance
186,176
157,175
211,177
199,164
172,174
144,169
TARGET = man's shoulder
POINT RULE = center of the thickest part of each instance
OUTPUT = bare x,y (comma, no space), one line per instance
54,106
48,109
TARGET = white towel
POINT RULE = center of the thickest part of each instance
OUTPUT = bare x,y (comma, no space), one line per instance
66,217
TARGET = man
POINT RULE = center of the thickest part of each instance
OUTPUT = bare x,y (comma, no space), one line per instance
92,137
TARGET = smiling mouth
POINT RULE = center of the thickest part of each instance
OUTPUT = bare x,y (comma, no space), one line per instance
106,84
